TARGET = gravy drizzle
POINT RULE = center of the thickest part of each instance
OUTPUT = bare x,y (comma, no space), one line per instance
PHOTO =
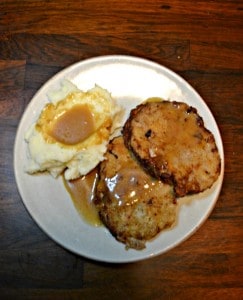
82,192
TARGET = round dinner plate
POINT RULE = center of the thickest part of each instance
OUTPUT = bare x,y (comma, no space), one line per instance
130,80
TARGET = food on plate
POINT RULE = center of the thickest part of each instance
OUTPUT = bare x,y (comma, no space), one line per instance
132,174
171,143
134,206
72,132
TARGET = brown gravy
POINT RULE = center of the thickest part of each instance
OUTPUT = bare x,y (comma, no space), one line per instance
82,191
129,185
74,125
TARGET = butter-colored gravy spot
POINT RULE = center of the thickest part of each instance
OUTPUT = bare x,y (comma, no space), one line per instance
73,126
82,192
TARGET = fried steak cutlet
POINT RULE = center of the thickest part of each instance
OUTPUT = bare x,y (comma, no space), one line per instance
170,141
134,206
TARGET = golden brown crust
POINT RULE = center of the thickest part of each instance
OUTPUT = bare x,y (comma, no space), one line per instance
134,206
172,144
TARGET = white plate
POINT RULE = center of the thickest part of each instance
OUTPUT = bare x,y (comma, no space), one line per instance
130,80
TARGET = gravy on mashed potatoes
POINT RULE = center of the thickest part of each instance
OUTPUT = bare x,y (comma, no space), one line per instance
72,131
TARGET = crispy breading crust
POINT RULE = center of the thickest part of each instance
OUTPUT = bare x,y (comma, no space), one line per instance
134,206
170,141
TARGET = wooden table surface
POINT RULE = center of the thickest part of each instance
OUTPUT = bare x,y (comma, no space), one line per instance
203,42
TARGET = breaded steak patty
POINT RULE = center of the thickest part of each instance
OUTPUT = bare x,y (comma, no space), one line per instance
170,141
134,206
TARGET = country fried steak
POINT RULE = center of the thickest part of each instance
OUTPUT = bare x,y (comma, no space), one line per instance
171,143
134,206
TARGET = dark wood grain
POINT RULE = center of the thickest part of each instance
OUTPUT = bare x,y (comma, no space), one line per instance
203,42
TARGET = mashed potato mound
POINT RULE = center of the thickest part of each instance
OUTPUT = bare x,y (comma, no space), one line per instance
47,151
